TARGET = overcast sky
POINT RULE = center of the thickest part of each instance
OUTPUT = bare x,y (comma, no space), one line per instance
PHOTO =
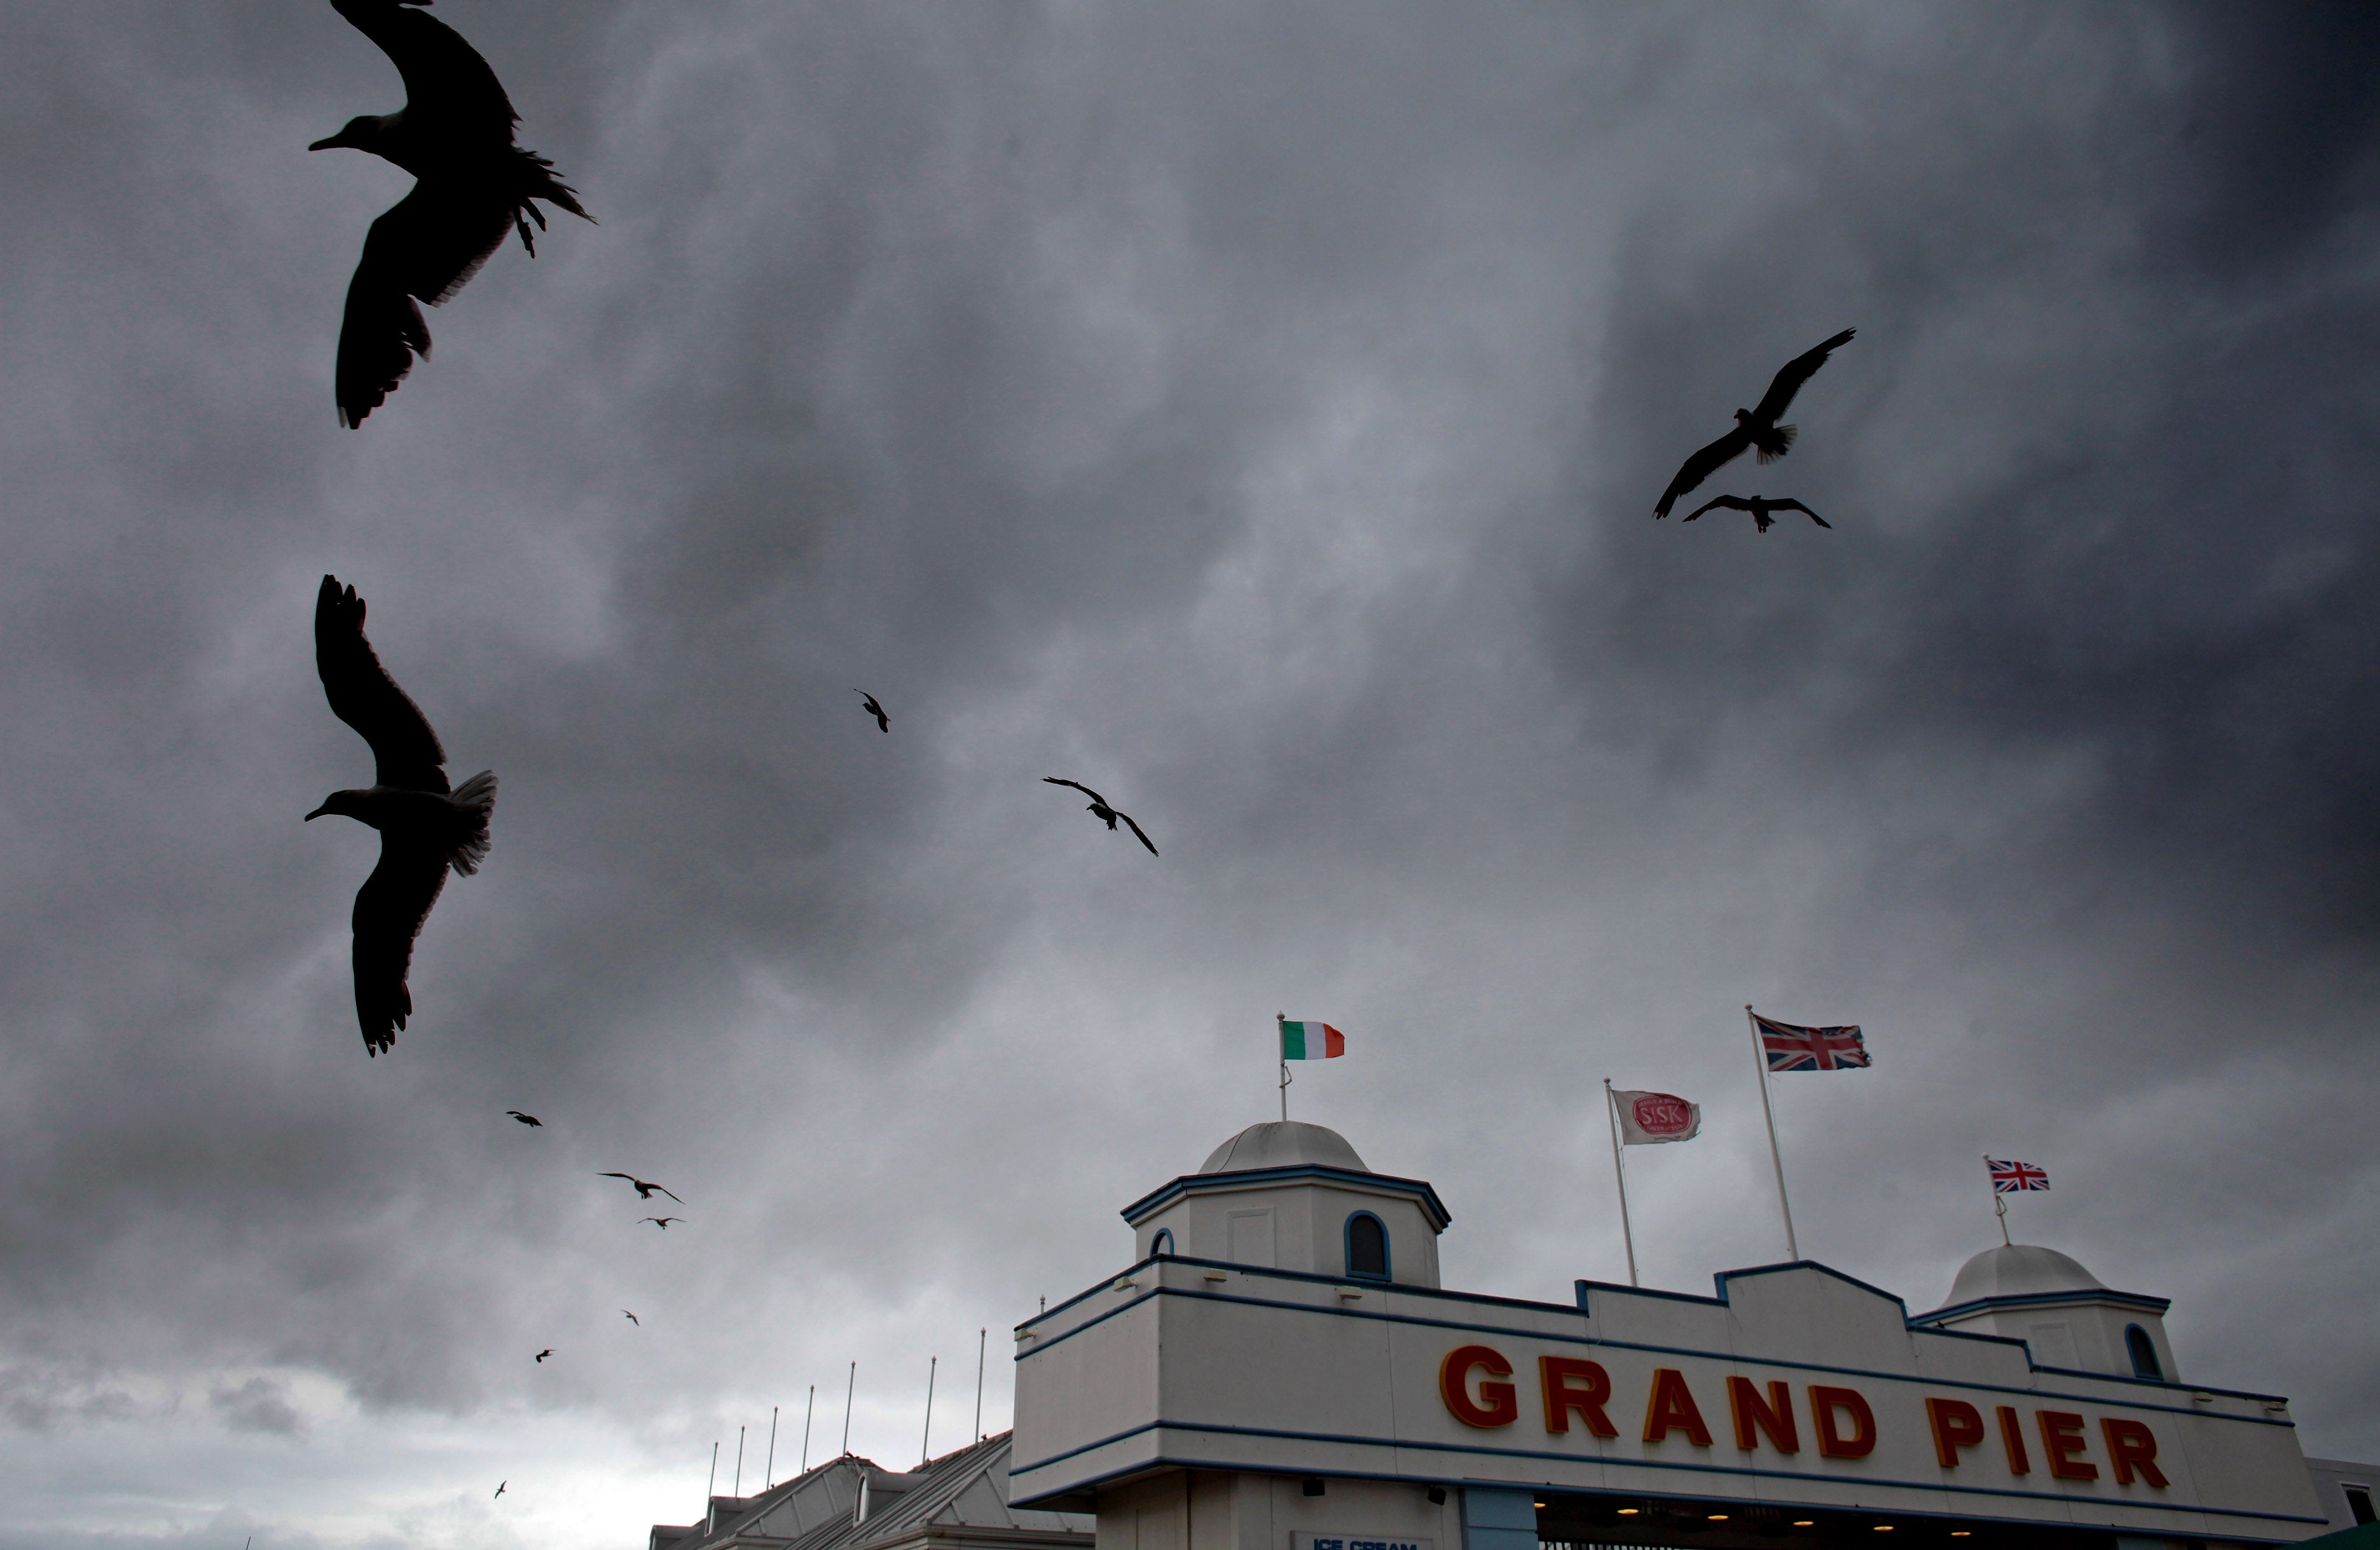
1253,411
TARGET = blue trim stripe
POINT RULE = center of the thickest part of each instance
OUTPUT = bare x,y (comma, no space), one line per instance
1417,1190
1734,1358
1803,1477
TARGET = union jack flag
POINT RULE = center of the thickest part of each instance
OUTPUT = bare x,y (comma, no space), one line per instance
2009,1177
1791,1048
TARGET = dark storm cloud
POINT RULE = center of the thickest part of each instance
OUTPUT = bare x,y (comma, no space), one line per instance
1254,413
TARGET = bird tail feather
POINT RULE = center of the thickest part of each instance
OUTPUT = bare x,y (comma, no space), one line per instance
1780,441
475,798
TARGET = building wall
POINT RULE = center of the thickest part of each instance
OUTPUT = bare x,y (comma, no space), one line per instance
1294,1224
1201,1510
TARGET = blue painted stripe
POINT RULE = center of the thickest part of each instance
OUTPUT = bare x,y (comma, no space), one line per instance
1477,1448
1732,1358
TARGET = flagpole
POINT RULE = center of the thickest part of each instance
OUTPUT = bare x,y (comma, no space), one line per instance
1280,1046
1627,1234
1776,1158
1999,1204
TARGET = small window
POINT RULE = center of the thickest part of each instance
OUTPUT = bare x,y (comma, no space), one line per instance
1163,1243
2143,1353
1368,1247
2359,1502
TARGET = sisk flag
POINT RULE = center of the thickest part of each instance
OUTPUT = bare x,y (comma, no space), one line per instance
1793,1048
1647,1118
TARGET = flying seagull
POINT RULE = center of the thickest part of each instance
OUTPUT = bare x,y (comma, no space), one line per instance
633,1319
543,1354
1100,809
1754,427
644,1189
884,722
661,1222
532,1119
424,827
1760,508
500,1489
472,186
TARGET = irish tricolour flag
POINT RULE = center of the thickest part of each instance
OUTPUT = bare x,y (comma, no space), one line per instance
1311,1040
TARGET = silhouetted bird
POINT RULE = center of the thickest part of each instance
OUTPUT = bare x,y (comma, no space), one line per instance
472,186
500,1489
884,722
543,1354
424,827
633,1319
661,1222
532,1119
1754,427
1760,508
644,1189
1100,809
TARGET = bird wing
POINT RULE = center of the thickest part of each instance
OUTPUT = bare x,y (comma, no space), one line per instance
1733,503
1136,829
405,751
629,1177
1797,505
1794,373
1702,465
448,87
666,1192
390,908
1079,787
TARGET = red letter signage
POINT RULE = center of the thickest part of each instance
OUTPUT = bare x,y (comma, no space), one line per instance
2061,1439
1671,1407
1823,1403
1776,1417
1554,1375
1956,1424
1498,1405
2131,1446
2012,1438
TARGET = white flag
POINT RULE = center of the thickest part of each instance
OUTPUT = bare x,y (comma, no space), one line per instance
1647,1118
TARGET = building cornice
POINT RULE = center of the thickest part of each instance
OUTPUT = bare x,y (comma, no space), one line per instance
1415,1190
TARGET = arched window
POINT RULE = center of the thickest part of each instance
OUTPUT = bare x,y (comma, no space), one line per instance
2143,1353
1368,1247
1163,1243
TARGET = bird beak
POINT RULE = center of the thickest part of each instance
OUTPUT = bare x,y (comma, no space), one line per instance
331,144
318,813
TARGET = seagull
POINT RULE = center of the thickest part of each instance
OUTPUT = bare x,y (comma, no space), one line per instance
1760,508
500,1489
1757,427
532,1119
884,722
1099,808
543,1354
472,186
633,1319
424,827
661,1222
644,1189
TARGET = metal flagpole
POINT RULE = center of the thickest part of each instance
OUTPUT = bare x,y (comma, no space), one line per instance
737,1489
769,1472
1999,1202
1627,1233
980,1336
714,1483
926,1443
849,1387
806,1410
1776,1158
1281,1047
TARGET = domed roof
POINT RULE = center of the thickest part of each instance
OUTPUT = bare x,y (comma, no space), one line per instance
2019,1270
1280,1143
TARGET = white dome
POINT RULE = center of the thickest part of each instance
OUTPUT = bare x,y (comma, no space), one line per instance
2019,1270
1280,1143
